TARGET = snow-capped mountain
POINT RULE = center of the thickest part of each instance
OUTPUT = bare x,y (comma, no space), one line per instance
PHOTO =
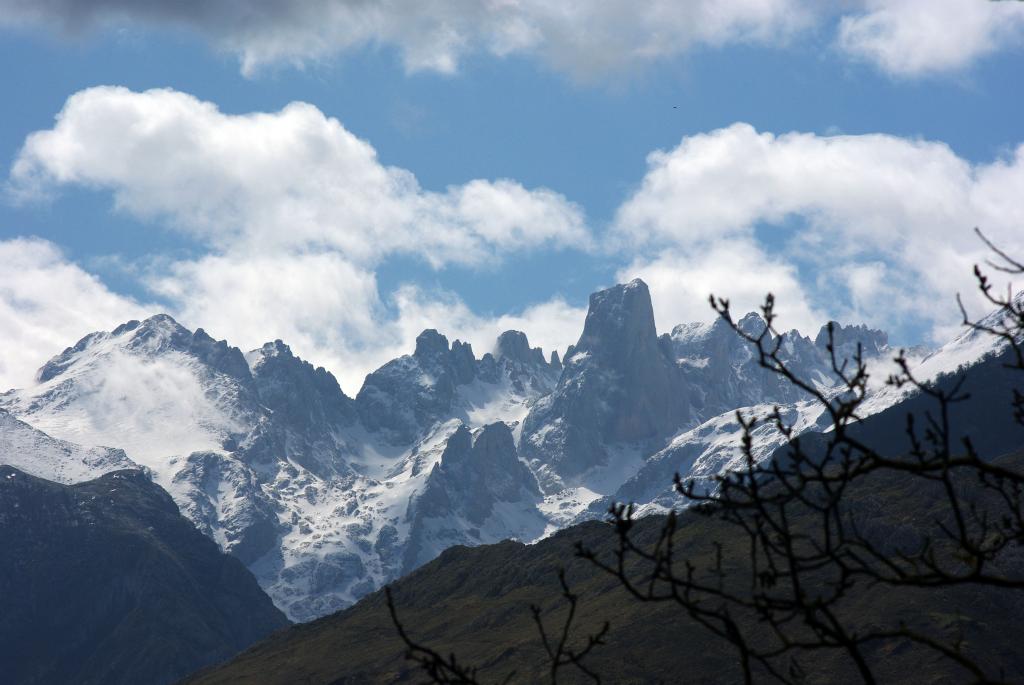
617,387
438,382
325,497
479,490
314,490
36,453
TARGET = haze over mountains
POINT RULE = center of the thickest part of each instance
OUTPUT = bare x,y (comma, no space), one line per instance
326,497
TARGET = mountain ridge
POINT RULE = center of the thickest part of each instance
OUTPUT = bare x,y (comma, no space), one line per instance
318,492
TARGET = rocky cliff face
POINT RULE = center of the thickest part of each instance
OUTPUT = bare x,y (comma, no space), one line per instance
618,387
263,452
306,412
416,390
406,396
479,490
723,371
104,582
846,339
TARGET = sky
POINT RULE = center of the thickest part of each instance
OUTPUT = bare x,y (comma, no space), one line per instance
342,174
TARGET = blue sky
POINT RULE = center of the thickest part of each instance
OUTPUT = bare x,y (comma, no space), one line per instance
839,167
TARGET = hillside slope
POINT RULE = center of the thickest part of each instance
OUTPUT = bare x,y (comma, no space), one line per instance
105,582
475,602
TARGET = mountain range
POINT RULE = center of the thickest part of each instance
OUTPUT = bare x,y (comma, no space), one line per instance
326,497
475,602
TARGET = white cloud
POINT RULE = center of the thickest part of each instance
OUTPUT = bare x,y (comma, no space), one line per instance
325,308
680,281
919,37
329,311
296,213
294,179
46,304
551,325
876,227
332,314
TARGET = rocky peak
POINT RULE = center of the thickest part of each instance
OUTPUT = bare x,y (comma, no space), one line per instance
617,386
409,394
430,345
495,439
462,362
487,462
701,339
457,504
873,342
57,365
620,322
688,332
514,345
619,336
307,407
272,355
157,335
495,450
277,348
458,447
457,363
292,385
160,333
752,324
219,355
803,357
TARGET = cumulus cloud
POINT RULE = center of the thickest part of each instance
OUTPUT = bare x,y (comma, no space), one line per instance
872,227
292,179
681,279
296,213
46,304
920,37
332,313
552,325
329,311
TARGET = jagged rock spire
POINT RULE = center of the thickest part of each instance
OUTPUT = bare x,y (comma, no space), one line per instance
618,386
